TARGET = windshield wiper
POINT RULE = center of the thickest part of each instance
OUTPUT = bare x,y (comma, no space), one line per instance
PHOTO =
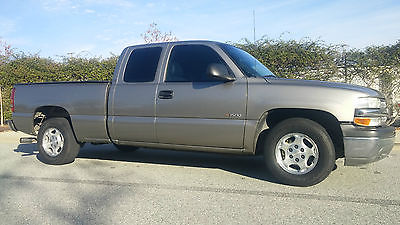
269,75
266,76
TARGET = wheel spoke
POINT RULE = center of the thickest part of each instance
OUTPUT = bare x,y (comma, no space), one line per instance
284,145
298,140
303,165
288,161
310,152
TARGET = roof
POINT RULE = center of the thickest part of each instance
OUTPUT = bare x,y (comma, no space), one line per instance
178,42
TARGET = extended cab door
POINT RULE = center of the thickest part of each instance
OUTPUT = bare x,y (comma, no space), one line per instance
195,109
132,95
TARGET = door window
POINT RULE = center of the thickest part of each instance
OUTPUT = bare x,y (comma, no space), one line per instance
189,63
142,65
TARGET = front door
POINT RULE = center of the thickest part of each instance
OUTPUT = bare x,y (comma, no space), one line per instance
195,109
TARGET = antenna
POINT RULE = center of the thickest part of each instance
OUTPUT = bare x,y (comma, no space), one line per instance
254,26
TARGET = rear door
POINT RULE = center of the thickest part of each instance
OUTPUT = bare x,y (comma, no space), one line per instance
195,109
132,96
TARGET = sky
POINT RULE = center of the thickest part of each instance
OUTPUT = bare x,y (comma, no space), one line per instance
96,28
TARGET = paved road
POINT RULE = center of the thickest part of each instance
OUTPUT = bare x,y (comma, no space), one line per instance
105,186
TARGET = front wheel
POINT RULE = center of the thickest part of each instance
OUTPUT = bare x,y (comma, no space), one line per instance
299,152
56,142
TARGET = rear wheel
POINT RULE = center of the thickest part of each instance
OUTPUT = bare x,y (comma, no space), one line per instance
299,152
56,142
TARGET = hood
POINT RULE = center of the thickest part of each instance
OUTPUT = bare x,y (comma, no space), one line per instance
324,84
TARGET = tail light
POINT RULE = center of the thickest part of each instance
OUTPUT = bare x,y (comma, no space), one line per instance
12,100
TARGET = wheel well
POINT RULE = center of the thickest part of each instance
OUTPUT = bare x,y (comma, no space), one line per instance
325,119
46,112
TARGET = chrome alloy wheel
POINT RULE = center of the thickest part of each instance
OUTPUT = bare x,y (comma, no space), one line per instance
296,153
53,142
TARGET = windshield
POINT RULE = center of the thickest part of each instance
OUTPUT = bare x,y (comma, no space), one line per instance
249,65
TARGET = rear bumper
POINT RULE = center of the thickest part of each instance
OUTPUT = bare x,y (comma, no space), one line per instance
365,145
11,124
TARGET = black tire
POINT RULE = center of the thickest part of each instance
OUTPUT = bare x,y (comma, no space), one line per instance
70,147
126,148
317,171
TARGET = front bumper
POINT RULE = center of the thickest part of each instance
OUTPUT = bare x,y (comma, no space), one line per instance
365,145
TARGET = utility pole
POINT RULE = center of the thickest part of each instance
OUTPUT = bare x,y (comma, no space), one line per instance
1,108
254,26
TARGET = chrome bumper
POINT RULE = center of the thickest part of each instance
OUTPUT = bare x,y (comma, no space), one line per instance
366,145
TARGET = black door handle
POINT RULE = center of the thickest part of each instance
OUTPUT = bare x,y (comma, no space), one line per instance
166,94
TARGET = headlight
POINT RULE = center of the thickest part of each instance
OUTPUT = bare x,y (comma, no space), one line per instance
371,112
369,102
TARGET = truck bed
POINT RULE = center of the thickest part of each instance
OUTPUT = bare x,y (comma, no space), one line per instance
84,101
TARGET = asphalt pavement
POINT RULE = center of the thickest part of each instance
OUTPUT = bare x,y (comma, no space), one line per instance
148,186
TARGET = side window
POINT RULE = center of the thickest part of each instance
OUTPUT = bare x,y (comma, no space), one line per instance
189,63
142,65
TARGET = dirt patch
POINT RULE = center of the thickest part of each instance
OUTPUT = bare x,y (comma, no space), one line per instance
4,128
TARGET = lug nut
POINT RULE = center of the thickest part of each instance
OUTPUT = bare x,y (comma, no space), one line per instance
296,146
291,156
290,150
302,156
297,159
302,149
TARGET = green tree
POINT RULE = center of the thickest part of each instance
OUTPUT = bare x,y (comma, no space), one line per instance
375,66
378,66
304,59
25,68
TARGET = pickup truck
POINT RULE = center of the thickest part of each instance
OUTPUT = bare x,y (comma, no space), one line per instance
213,97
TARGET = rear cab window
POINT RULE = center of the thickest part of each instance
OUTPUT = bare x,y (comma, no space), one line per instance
142,65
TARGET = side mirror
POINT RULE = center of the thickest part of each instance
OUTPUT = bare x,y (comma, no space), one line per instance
219,71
